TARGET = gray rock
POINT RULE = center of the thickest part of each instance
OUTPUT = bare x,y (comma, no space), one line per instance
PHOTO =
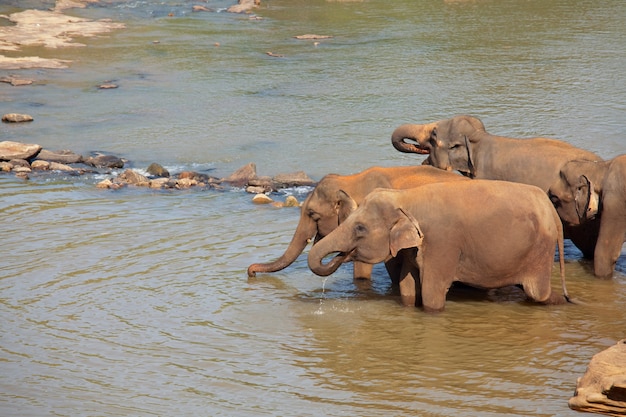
295,179
105,161
62,157
16,150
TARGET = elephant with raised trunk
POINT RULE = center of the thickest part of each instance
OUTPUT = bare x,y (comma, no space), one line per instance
323,210
462,144
594,193
486,234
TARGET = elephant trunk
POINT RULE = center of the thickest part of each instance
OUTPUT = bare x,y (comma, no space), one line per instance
305,230
417,133
319,251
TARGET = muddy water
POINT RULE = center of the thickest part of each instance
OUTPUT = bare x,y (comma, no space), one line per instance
136,302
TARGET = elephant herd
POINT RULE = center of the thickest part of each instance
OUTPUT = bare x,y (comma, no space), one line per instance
495,225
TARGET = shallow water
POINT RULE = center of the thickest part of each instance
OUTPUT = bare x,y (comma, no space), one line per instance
136,302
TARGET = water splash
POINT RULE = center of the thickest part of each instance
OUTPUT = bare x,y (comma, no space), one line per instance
319,310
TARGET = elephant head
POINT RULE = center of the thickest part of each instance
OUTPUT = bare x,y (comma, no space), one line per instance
447,142
575,194
320,214
374,232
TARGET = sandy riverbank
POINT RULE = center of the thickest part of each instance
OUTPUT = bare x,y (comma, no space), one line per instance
56,29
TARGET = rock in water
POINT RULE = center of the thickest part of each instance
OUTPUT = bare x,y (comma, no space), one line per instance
16,150
602,389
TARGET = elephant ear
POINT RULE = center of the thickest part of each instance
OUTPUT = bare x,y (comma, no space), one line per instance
345,205
586,199
406,233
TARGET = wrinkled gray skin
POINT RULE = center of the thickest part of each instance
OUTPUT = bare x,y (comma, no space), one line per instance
323,210
487,234
595,193
462,144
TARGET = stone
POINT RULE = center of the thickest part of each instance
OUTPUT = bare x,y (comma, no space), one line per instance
63,157
257,190
19,163
243,6
157,170
5,166
262,199
291,201
602,389
55,166
17,118
159,182
107,86
40,165
186,182
21,169
296,179
16,150
16,82
105,161
134,178
242,176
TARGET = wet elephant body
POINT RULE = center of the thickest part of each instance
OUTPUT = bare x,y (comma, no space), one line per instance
593,195
323,210
487,234
462,144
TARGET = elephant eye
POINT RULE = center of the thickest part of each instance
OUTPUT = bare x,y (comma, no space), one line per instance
313,215
455,146
360,230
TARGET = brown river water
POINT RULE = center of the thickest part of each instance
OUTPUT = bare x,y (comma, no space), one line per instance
137,302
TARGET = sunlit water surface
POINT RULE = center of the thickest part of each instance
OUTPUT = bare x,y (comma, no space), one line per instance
137,302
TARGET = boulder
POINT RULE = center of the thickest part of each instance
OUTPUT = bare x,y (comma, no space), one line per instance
17,118
5,166
242,176
105,161
157,170
134,178
602,389
16,150
62,157
55,166
40,165
295,179
262,199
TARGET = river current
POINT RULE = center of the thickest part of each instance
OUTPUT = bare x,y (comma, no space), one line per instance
137,302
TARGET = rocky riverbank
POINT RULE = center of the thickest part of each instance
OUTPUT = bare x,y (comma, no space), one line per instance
28,161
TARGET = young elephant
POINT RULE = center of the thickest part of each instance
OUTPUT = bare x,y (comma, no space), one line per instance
322,211
593,194
487,234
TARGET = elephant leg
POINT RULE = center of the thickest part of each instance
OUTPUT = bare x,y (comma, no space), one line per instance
436,275
410,286
362,270
394,269
609,246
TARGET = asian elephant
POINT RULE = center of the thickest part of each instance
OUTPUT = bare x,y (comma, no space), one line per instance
486,234
594,193
462,144
323,211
